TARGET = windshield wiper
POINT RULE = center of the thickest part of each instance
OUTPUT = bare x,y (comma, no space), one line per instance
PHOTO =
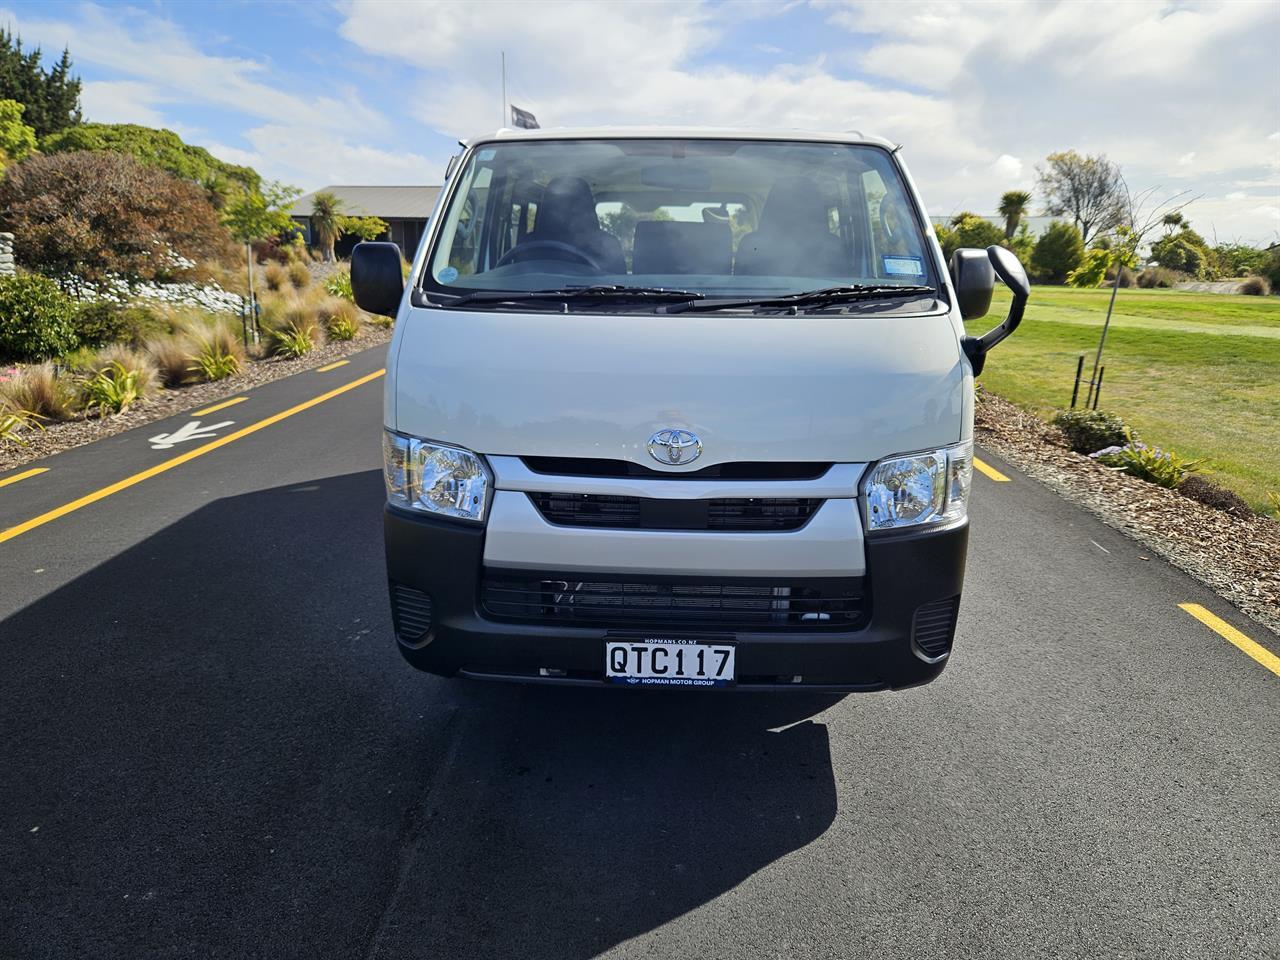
611,293
828,296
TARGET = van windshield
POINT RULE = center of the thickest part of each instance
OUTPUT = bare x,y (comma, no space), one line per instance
721,218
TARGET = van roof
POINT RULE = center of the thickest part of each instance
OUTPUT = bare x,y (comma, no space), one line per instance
678,133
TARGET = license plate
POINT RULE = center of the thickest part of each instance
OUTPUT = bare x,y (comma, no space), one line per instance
654,661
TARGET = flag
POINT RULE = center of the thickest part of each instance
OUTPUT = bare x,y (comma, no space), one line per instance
523,118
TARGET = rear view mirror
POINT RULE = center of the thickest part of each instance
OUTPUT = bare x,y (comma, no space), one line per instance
973,272
376,280
974,279
676,176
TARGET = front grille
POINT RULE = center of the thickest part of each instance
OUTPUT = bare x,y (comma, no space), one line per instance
737,470
646,513
690,603
935,624
410,612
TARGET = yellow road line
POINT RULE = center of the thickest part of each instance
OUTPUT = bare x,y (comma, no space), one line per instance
1228,632
989,471
159,468
332,366
219,406
35,471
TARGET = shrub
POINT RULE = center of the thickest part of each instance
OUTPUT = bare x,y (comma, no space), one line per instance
1148,463
299,275
339,284
275,276
217,355
172,358
158,148
112,390
98,323
35,318
341,319
41,391
1270,268
1058,251
1153,277
1256,287
98,215
1211,495
134,361
13,422
1184,251
292,341
1090,430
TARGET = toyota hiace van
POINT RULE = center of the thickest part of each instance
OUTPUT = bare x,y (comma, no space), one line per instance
680,408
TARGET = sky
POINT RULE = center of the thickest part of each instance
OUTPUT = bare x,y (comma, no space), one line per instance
1185,96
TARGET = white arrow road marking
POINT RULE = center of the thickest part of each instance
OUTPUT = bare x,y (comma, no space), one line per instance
189,431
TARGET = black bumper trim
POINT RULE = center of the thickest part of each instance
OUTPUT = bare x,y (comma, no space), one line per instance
444,560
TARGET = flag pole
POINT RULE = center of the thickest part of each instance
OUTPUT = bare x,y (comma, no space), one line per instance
504,88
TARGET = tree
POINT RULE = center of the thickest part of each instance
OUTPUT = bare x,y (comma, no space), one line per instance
968,230
1089,190
326,221
160,148
1239,259
1013,207
93,216
52,99
262,214
17,139
1058,251
366,228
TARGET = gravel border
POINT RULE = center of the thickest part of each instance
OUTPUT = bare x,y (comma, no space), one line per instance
1238,558
63,435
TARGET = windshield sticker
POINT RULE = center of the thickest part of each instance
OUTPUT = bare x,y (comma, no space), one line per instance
448,275
903,266
485,154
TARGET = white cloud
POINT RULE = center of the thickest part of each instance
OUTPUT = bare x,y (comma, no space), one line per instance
164,71
1236,195
1008,167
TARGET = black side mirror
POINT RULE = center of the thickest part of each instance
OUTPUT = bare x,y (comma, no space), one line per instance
376,280
974,280
997,261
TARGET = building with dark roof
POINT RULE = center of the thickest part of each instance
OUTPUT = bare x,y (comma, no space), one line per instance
405,209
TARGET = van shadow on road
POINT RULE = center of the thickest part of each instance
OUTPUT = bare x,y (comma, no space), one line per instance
211,747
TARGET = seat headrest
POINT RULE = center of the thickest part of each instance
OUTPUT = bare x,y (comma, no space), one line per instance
567,209
793,204
682,247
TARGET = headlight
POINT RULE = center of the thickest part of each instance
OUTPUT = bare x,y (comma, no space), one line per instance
920,488
445,481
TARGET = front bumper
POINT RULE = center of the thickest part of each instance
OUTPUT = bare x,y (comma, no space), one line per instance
913,585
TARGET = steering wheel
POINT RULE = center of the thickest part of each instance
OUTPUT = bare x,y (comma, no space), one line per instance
891,211
529,249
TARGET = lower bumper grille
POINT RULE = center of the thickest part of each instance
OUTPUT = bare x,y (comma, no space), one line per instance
691,604
644,513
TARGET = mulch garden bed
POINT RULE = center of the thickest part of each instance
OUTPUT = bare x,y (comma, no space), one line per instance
1238,557
64,435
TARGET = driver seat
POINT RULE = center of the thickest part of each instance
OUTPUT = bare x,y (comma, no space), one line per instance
567,214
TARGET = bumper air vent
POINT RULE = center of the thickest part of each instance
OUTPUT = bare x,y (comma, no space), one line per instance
688,603
749,514
411,612
934,627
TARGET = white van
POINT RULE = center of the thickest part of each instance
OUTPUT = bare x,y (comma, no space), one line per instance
680,408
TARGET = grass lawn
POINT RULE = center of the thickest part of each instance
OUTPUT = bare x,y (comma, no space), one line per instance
1197,373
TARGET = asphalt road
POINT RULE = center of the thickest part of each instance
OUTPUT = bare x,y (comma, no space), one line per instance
209,746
